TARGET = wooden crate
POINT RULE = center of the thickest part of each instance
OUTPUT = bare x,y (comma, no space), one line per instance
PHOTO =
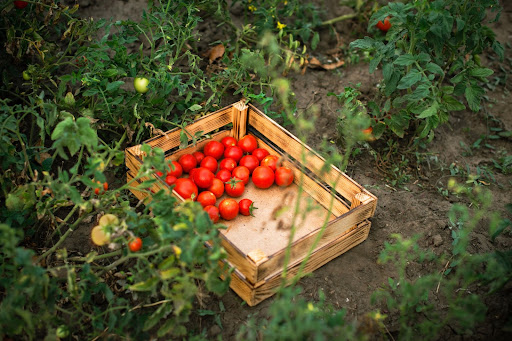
337,207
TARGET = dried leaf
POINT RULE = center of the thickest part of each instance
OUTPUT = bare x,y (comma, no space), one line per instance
155,131
315,63
216,52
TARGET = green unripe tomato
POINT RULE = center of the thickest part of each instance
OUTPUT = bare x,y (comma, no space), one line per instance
141,84
26,75
62,332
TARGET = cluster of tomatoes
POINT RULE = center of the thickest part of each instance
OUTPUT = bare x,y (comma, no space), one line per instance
225,167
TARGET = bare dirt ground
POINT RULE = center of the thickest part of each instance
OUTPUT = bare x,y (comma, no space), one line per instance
418,208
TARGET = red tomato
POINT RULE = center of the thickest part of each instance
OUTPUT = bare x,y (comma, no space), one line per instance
199,156
214,149
249,161
242,173
234,153
20,4
170,179
263,177
186,188
210,163
248,143
246,207
234,187
228,209
203,177
191,174
217,187
228,164
228,141
284,176
206,198
159,174
187,162
384,26
213,212
105,186
260,153
224,175
175,169
270,161
135,245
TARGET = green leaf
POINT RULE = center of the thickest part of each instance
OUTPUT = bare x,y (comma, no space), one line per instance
480,72
375,62
90,92
195,107
392,83
114,85
430,111
183,139
434,68
413,77
405,60
423,57
473,95
315,40
363,44
387,71
147,285
451,104
499,50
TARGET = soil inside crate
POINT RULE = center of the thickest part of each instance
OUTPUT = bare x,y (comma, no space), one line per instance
269,229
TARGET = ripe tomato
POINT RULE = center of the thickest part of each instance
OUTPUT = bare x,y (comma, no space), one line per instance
249,161
270,161
214,149
159,174
229,141
246,207
228,164
187,162
206,198
97,190
135,245
260,153
141,84
170,179
203,177
175,169
284,176
234,187
248,143
199,156
228,209
210,163
384,26
224,175
234,153
191,174
263,177
213,212
186,188
20,4
242,173
105,186
217,187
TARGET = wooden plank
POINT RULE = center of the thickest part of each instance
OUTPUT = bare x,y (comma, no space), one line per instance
343,184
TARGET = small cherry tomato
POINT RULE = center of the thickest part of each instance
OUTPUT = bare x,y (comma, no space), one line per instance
228,209
263,177
214,149
170,179
248,143
228,164
186,188
187,162
199,156
175,169
246,207
159,174
206,198
260,153
234,187
224,175
229,141
249,161
20,4
234,153
284,176
141,84
270,161
243,173
26,75
105,186
213,213
135,244
210,163
100,235
217,187
203,177
384,26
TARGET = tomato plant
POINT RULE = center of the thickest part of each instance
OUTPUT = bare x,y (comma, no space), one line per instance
135,244
249,161
186,188
248,143
247,207
203,177
263,177
228,209
234,187
234,153
284,176
217,187
242,173
187,162
210,163
206,198
214,149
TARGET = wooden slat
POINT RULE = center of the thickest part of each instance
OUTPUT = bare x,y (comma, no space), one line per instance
344,185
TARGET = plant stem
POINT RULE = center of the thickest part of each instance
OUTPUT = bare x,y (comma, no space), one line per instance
340,18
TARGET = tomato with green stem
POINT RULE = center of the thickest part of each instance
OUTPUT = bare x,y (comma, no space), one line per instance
246,207
234,187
